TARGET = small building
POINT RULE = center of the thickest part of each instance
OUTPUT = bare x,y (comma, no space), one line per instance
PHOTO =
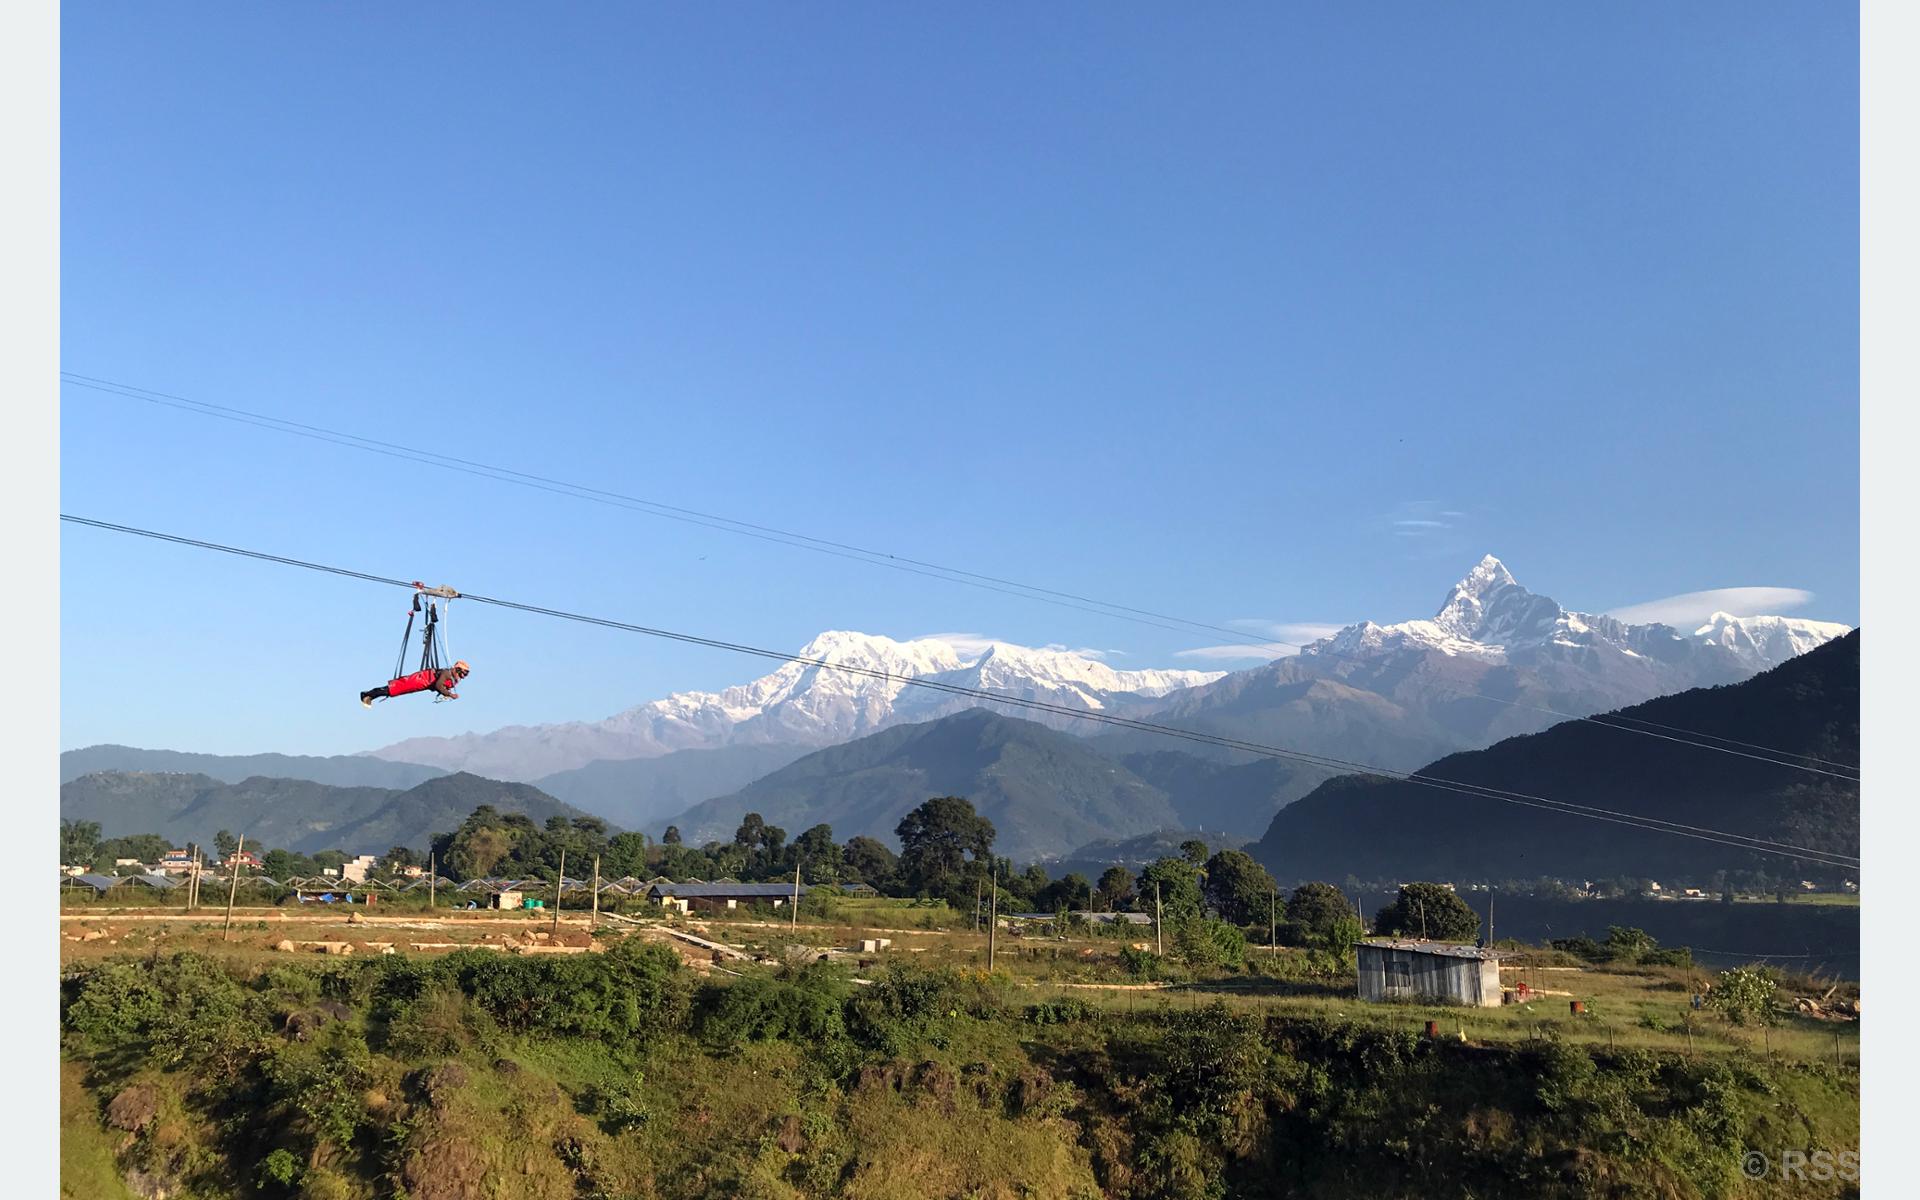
1444,972
719,896
247,859
355,870
175,862
505,899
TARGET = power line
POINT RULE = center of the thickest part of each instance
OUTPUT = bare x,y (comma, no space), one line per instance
1326,762
897,562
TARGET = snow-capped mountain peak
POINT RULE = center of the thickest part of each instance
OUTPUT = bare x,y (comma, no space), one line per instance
1490,615
1766,641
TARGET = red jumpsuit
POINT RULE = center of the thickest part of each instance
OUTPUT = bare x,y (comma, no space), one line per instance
440,681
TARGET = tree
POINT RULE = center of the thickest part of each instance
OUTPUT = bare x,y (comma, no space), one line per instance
225,844
1071,891
1430,911
1116,887
1194,851
937,842
79,843
1179,881
149,848
1313,908
816,854
671,837
1239,888
871,862
400,856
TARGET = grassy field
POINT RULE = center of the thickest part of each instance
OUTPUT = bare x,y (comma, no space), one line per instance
1646,1007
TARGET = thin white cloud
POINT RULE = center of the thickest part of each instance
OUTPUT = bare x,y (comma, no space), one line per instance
1692,609
963,643
969,645
1238,653
1282,639
1093,652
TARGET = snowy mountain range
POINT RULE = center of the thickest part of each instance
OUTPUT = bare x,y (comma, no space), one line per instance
806,704
1496,660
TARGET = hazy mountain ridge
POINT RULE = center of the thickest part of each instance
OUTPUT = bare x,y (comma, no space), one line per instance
1044,791
293,814
339,770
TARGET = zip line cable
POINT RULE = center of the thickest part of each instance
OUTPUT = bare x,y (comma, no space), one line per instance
912,566
1327,762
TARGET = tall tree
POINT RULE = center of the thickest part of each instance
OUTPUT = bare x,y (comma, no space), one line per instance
224,844
671,837
1116,887
79,843
1179,881
937,842
400,856
871,862
1315,907
1239,887
1430,911
1195,851
816,854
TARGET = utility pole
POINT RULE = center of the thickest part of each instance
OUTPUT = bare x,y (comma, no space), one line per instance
993,916
1422,906
559,882
193,879
976,906
1489,917
233,886
1159,945
1273,921
595,922
433,877
793,919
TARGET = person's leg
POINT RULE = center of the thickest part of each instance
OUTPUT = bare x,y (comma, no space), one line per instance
368,697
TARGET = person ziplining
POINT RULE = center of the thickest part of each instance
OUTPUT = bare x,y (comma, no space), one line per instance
431,676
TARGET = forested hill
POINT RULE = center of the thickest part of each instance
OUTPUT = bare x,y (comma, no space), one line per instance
1375,829
293,814
1045,791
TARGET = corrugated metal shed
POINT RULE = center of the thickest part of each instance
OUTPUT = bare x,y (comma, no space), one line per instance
1447,972
725,891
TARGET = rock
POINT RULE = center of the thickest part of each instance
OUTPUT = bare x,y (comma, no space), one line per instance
790,1138
935,1080
1030,1090
355,919
133,1109
285,946
92,935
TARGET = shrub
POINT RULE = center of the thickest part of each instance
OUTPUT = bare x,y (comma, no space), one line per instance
1061,1012
805,1006
1743,994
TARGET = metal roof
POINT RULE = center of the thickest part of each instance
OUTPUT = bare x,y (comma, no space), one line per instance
723,890
1444,949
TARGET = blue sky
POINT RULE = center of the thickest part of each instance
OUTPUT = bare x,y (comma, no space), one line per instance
1254,314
